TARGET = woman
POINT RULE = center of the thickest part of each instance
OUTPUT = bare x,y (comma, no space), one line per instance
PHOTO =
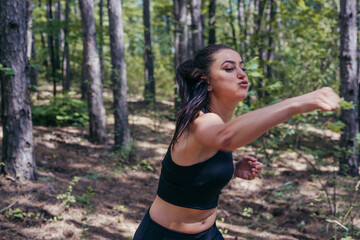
199,163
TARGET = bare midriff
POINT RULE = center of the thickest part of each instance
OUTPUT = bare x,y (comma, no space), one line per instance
181,219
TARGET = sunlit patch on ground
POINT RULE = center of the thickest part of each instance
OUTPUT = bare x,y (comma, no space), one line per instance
113,194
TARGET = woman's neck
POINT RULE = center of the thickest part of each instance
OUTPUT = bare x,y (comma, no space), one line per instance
225,111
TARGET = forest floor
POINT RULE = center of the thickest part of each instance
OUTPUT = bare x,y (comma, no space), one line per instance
111,195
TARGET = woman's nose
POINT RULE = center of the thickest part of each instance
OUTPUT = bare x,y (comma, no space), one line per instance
241,73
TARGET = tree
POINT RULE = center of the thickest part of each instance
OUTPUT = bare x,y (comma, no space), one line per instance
66,54
231,22
181,40
51,43
92,74
196,26
149,92
349,87
18,147
212,22
118,73
242,27
101,35
180,36
31,51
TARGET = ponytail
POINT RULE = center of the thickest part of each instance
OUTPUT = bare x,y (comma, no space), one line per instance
193,91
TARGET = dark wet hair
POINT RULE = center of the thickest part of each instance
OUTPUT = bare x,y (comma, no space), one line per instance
192,77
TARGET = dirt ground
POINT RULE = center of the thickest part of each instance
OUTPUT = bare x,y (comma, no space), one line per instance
112,195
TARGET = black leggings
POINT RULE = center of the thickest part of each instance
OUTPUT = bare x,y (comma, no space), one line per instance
150,230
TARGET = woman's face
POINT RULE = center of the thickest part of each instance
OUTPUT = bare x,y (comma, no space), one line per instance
228,81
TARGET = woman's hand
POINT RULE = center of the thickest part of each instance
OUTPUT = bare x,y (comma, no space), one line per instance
247,168
324,99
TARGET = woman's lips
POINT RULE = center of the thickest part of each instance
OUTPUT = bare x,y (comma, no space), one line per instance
244,83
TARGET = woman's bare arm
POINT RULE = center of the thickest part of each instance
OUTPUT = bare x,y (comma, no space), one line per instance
212,132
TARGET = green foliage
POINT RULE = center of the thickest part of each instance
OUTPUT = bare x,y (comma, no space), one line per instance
68,197
16,214
61,111
247,212
85,199
7,71
310,49
223,231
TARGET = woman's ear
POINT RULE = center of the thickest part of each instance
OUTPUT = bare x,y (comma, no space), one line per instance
204,78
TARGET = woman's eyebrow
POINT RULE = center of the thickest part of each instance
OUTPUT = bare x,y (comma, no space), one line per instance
232,62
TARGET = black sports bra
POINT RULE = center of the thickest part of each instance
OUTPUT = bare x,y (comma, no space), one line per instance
197,186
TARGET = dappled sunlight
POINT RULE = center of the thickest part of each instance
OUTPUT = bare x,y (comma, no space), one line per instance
272,207
248,186
245,233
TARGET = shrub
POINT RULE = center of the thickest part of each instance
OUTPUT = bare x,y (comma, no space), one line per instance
61,111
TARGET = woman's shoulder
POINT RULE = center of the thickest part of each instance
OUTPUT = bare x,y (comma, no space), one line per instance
205,120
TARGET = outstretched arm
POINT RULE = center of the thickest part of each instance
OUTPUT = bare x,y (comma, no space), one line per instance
212,132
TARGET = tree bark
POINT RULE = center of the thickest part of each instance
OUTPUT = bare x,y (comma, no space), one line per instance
260,38
180,34
181,42
66,54
242,27
33,70
349,87
189,35
31,51
149,92
101,35
196,26
58,36
270,48
212,22
51,44
231,22
92,72
18,146
118,73
29,23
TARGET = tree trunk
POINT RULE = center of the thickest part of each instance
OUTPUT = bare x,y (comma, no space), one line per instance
349,87
149,93
196,26
58,36
189,35
33,70
212,22
92,74
84,82
18,147
51,45
260,42
118,73
181,42
66,54
31,52
29,23
101,35
242,27
231,22
270,48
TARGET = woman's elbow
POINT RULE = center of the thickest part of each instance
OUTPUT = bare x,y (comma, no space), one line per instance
227,143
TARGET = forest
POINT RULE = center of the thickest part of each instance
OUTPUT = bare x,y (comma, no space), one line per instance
89,102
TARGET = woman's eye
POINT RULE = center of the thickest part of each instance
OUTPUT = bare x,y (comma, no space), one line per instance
229,69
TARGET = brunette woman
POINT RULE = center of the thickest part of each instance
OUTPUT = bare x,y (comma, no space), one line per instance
198,163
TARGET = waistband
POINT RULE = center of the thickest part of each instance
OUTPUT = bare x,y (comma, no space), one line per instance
172,233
